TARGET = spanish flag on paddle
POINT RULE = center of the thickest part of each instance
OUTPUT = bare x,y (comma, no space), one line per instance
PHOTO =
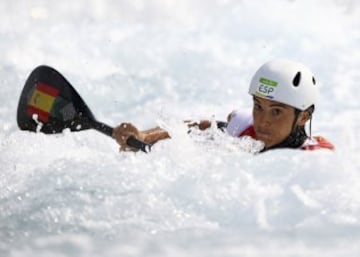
42,101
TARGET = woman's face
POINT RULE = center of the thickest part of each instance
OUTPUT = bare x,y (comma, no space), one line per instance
273,121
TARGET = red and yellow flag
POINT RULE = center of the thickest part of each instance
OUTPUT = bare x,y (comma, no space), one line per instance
42,101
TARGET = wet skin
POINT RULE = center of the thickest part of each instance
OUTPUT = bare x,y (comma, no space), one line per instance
273,121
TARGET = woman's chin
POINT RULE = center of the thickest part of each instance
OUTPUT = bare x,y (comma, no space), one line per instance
267,143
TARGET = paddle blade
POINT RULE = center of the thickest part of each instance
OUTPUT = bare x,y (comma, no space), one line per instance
48,103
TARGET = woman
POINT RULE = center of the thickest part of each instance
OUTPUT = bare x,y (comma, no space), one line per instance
284,95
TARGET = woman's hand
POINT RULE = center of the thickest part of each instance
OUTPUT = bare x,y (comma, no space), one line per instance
202,125
122,133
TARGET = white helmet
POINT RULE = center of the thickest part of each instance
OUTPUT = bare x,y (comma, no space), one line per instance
287,82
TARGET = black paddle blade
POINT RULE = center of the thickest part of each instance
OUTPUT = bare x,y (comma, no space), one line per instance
48,98
49,104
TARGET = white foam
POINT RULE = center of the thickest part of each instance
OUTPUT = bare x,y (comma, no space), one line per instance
200,194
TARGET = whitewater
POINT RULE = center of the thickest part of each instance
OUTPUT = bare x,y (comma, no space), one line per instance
157,63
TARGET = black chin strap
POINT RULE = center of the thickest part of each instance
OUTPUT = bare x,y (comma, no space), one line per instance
296,139
297,136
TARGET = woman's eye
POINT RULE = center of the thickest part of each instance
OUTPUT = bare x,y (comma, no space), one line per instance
276,112
257,106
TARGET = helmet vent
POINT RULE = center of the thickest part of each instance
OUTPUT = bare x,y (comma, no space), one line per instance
296,80
314,81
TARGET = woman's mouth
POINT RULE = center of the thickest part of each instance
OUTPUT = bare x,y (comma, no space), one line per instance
263,135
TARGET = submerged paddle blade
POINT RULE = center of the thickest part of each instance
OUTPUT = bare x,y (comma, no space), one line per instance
48,103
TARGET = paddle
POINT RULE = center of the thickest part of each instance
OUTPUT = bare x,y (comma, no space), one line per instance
49,104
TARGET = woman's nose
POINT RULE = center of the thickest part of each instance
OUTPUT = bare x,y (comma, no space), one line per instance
264,119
